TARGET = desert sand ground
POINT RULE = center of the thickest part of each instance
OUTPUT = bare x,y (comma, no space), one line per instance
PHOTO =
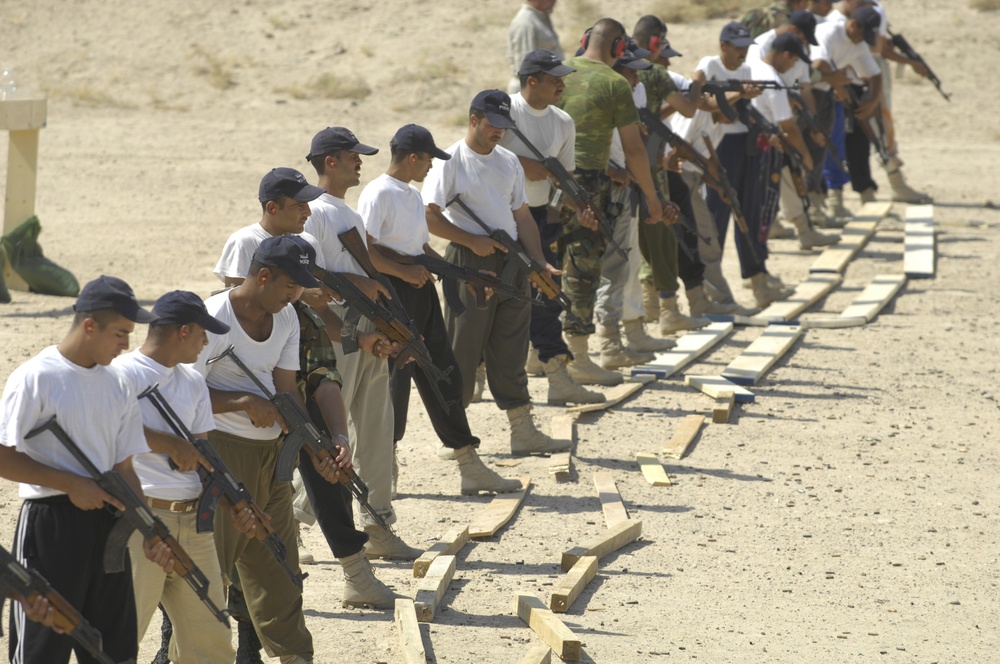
850,514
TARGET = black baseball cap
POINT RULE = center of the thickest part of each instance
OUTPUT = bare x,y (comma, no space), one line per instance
541,60
869,20
287,182
629,60
736,34
805,21
789,43
112,293
496,105
292,255
334,139
183,308
635,49
667,51
414,138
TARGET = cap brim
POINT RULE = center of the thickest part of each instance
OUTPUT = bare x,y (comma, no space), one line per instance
560,70
871,36
640,52
811,38
499,121
302,277
139,315
670,53
308,193
212,324
638,65
438,153
741,42
361,148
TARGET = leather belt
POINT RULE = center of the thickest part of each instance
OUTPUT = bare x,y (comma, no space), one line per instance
172,505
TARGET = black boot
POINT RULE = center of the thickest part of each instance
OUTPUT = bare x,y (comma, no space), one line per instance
166,631
248,650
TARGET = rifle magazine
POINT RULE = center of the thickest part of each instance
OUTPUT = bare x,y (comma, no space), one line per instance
117,545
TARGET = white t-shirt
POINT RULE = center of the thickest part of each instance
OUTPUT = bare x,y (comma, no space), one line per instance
330,217
492,185
394,215
799,72
237,254
773,104
552,131
280,350
93,406
184,389
716,71
640,99
836,48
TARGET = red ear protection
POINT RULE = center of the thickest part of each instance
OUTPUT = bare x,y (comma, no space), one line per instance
585,39
655,42
618,46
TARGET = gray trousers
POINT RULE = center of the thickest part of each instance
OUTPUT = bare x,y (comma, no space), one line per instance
619,296
709,252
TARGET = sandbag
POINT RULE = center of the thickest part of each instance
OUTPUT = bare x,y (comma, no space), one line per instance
41,274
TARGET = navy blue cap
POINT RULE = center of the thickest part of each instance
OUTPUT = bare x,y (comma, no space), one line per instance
286,182
414,138
183,308
636,50
496,105
112,293
668,52
869,20
334,139
630,60
736,34
789,43
541,60
292,255
805,21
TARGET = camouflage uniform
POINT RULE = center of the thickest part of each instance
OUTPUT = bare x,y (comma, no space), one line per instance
762,19
580,251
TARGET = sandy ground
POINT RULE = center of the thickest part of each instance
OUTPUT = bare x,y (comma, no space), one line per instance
850,514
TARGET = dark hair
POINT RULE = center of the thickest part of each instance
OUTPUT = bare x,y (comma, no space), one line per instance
475,112
163,331
647,27
401,155
102,316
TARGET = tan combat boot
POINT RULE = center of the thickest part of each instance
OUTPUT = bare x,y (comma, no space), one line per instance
525,438
650,300
583,370
766,294
477,391
904,193
534,366
614,354
362,587
835,201
809,237
305,555
701,304
673,321
563,389
388,545
477,477
639,339
867,196
778,231
818,214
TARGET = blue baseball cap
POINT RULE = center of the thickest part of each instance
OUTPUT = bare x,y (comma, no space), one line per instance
789,43
112,293
495,104
541,60
292,255
414,138
667,51
805,22
183,308
630,60
287,182
736,34
335,139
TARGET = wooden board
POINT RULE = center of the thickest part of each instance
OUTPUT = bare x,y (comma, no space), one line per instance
409,633
433,587
713,386
651,469
562,427
876,295
762,354
611,500
617,394
686,432
500,510
689,348
835,323
723,408
810,291
572,584
449,545
853,238
538,655
547,626
604,543
919,253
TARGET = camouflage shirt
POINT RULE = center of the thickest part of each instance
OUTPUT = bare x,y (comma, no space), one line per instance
658,86
762,19
317,361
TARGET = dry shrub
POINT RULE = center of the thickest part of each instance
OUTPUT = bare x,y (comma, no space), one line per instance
329,86
985,5
84,95
218,73
682,11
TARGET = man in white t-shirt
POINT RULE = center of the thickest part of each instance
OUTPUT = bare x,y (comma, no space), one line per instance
397,226
335,154
490,181
62,530
264,332
530,30
552,132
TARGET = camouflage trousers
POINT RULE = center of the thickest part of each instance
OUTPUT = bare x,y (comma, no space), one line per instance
580,251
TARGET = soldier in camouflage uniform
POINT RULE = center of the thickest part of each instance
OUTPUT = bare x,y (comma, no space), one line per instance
762,19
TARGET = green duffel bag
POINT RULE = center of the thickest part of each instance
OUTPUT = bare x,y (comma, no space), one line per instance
41,274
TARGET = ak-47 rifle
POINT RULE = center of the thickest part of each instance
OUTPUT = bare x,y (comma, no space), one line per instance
301,431
518,258
219,484
799,104
24,585
450,274
758,124
137,516
870,125
569,186
899,41
718,89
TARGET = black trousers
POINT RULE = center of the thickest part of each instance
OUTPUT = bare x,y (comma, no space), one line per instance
858,155
66,545
451,427
689,266
546,326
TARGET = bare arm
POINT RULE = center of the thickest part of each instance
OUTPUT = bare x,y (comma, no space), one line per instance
438,224
82,491
638,165
527,235
181,452
794,136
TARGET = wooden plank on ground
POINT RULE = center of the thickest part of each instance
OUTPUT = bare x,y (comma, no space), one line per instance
919,252
611,500
652,469
876,295
689,347
572,584
547,626
723,407
604,543
853,238
540,654
713,386
449,545
500,510
686,432
762,354
615,396
409,633
809,291
562,427
433,587
832,323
